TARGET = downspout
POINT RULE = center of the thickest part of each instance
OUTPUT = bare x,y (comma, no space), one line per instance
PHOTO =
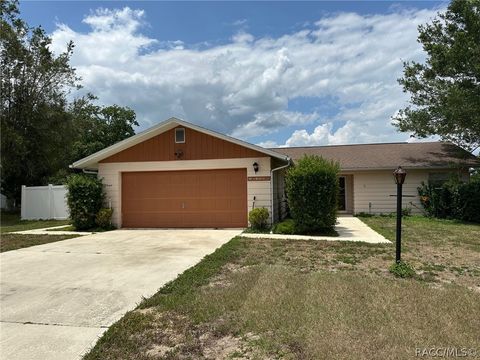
271,185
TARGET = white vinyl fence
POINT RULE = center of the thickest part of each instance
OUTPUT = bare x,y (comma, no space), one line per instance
44,202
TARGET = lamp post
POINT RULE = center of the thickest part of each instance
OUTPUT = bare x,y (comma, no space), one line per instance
399,175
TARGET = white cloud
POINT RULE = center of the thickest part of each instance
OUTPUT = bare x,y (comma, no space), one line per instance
244,87
264,123
268,144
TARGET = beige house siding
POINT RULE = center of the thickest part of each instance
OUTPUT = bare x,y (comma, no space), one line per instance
111,173
372,190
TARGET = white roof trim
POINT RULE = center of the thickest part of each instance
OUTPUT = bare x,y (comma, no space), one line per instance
91,161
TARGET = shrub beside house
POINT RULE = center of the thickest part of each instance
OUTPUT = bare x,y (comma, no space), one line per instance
312,190
85,199
452,200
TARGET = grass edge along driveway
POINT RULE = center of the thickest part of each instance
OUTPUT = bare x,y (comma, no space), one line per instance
10,222
259,298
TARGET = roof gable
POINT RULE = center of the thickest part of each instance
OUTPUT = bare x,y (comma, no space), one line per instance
122,147
197,146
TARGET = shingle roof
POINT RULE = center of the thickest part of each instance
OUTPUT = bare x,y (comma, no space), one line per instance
389,155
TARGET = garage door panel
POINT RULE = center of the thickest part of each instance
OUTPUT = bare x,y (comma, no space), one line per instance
200,198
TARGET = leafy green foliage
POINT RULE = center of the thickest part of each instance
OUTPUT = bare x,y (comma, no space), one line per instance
85,198
452,200
312,191
285,227
34,86
258,218
34,109
402,270
445,89
467,202
97,127
103,219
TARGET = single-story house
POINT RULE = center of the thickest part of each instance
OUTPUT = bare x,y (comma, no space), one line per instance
177,174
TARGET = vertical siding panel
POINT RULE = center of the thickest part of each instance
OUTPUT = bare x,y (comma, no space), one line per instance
197,146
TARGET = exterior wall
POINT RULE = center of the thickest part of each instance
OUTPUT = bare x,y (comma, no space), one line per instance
197,146
372,190
111,173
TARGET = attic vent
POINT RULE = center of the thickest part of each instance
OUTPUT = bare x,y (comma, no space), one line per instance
179,136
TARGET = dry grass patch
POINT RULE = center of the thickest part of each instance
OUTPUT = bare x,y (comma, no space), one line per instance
288,299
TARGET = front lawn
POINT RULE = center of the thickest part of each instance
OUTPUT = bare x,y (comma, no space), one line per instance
19,241
10,222
259,298
441,250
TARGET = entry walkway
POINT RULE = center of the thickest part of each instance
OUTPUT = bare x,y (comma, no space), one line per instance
349,228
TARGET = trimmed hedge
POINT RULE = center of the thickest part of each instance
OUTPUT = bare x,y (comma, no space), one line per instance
85,199
312,191
452,200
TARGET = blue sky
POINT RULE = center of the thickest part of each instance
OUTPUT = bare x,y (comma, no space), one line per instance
272,73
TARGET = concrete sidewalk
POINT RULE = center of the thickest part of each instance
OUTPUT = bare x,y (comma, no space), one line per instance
349,228
58,298
53,230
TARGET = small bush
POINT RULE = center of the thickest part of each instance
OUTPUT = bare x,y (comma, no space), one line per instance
85,198
467,202
285,227
104,218
312,192
258,218
452,200
402,270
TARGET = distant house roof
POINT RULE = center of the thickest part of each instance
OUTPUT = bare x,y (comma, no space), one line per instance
389,155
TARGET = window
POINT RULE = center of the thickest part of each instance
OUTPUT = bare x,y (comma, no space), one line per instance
179,135
439,178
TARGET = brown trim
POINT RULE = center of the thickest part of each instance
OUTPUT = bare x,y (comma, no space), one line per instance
258,178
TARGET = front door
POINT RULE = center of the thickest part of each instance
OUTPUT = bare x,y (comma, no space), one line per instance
342,200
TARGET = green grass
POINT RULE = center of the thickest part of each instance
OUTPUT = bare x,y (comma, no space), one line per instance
261,298
419,229
10,222
19,241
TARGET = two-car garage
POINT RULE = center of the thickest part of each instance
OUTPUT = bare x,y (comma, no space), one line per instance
185,199
180,175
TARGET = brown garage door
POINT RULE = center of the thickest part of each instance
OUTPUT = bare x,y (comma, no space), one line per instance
186,199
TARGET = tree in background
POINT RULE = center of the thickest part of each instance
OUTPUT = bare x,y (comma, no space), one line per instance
41,131
34,86
445,90
97,127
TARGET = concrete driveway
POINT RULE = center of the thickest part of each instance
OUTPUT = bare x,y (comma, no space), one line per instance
58,298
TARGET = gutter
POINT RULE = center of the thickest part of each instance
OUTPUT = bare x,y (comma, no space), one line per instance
271,185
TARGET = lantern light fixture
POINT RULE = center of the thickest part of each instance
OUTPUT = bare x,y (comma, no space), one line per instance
255,167
399,175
